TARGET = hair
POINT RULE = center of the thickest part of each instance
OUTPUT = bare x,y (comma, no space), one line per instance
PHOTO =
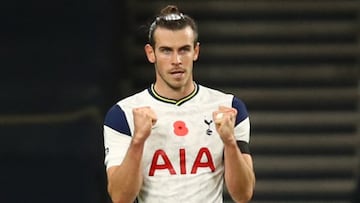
171,18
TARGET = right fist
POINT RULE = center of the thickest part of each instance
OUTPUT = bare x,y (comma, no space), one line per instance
144,119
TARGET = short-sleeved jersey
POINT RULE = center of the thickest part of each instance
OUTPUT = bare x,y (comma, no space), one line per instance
183,156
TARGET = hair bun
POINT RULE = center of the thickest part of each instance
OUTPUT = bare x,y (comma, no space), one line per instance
170,9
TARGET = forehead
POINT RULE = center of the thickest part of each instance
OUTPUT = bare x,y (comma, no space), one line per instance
174,38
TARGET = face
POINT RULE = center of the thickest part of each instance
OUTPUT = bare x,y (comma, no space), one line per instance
173,55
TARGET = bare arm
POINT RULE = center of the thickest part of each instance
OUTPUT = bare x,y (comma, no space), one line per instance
125,180
239,174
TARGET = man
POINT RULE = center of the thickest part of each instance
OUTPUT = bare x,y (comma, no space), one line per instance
177,141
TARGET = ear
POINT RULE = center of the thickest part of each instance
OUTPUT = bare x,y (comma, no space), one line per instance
196,51
150,53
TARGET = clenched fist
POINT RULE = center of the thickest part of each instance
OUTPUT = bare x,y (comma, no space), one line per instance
144,119
224,119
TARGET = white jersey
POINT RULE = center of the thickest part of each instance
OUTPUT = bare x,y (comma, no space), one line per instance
183,156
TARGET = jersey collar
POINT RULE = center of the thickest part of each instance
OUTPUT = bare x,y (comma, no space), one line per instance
153,93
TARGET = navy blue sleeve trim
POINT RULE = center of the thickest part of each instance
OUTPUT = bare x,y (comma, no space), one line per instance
116,119
242,113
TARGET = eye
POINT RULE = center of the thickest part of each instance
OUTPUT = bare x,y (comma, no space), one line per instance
165,50
184,50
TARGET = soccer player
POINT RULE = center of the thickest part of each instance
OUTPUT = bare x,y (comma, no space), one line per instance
177,141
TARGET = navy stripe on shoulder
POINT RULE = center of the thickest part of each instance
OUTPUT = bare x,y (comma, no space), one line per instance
242,113
116,119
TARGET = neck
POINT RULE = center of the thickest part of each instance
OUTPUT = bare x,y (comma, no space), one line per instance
175,93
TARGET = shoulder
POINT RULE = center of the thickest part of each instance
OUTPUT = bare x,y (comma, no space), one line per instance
128,103
208,93
234,101
118,115
220,94
116,119
135,99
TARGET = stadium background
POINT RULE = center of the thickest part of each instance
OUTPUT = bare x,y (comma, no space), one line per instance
295,64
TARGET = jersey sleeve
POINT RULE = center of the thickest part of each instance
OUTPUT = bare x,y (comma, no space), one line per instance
242,125
117,136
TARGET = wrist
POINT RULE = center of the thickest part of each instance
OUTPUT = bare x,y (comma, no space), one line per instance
137,140
230,142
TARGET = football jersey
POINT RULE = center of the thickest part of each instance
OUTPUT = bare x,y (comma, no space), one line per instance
183,156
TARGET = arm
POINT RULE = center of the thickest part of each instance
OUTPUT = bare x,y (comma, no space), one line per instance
239,174
125,180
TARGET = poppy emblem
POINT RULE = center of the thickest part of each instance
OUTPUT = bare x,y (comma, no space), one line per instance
180,128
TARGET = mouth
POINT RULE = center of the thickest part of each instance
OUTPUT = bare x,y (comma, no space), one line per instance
177,73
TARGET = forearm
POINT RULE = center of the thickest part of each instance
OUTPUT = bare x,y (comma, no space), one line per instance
239,174
125,180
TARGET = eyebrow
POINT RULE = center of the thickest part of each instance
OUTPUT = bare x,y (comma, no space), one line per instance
170,48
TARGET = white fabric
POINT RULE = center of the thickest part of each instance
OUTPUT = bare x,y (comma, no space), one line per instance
180,185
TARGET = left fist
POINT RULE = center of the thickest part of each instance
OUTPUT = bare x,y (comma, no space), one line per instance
224,119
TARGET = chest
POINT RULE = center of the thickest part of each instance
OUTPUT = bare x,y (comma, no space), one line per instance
183,141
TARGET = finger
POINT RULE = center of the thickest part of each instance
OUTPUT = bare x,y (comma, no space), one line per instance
150,113
228,110
218,117
147,112
153,116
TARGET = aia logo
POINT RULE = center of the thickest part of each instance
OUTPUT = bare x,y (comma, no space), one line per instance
161,161
180,128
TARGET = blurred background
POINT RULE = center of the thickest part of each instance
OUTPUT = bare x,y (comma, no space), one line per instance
294,63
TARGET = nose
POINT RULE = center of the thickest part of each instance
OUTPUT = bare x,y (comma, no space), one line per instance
176,58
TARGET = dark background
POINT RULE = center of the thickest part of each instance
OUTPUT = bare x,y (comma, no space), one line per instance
65,63
58,68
